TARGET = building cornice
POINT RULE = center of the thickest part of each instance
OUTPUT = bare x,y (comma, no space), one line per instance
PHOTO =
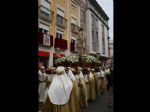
98,17
95,4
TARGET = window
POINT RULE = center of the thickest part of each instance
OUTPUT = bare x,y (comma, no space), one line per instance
102,28
92,20
45,14
92,35
60,17
103,46
46,3
43,28
59,34
48,0
96,24
93,43
97,42
60,20
60,12
74,21
73,6
45,11
73,27
103,39
74,43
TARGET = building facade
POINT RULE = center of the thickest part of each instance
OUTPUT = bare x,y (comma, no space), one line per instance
97,29
95,22
58,29
111,52
59,24
110,48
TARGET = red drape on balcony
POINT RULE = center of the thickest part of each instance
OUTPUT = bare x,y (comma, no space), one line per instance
61,43
40,38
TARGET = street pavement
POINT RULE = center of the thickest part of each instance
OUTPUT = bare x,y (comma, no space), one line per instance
100,104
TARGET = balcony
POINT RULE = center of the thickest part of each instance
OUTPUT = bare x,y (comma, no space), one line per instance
73,47
74,28
45,14
61,21
60,43
45,39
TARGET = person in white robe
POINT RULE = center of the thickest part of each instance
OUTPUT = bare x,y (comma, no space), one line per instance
98,80
42,83
74,101
103,83
92,85
83,98
59,93
52,71
42,77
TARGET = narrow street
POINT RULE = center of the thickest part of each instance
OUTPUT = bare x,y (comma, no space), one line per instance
99,105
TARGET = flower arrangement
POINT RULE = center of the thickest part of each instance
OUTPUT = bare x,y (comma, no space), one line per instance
60,60
89,59
72,59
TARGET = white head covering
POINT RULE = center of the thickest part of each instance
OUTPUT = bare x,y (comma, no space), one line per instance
91,75
80,74
71,75
60,88
102,73
42,67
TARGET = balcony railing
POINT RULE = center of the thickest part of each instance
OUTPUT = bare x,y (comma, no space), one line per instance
45,14
61,21
74,28
60,43
45,39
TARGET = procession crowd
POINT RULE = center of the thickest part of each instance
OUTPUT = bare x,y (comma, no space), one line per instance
69,89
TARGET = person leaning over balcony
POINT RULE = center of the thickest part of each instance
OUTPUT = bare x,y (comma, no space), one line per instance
59,93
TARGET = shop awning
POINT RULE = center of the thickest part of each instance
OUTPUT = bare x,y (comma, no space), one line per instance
43,54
